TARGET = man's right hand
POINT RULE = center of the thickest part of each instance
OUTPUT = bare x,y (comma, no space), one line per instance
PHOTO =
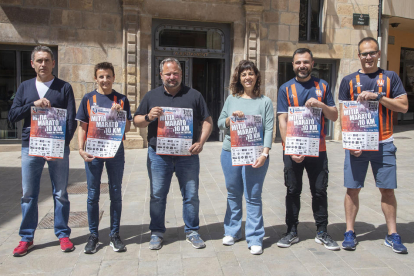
42,103
355,153
155,113
298,158
86,156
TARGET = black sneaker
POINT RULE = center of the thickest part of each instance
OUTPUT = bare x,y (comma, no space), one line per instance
288,239
90,247
323,237
117,244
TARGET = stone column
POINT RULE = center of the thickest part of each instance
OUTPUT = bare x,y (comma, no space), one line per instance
254,9
131,64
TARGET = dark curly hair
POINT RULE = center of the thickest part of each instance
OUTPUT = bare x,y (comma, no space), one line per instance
104,66
236,87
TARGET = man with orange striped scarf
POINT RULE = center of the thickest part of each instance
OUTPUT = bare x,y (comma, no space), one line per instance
372,83
309,91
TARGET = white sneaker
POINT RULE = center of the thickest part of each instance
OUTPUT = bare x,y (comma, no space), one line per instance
228,240
256,250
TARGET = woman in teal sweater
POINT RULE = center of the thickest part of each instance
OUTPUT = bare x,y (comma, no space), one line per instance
245,100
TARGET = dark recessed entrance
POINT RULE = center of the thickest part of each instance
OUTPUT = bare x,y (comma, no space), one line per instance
203,51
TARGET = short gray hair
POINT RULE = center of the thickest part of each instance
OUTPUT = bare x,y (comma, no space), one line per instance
170,59
41,48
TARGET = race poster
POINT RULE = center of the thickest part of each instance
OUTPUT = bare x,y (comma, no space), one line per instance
246,134
303,131
47,132
360,127
105,131
175,131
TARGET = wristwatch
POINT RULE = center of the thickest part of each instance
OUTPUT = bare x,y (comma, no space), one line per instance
265,154
379,97
147,118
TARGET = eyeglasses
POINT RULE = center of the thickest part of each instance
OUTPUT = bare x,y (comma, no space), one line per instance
371,54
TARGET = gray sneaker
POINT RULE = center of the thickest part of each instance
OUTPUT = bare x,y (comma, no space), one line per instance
288,239
195,240
323,237
155,242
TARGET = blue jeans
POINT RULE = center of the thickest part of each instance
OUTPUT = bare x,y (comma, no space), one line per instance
160,171
115,171
32,167
247,180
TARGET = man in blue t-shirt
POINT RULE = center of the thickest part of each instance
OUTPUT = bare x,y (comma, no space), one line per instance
161,167
45,90
372,83
306,90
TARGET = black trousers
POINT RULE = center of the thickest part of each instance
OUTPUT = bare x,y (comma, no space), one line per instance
317,169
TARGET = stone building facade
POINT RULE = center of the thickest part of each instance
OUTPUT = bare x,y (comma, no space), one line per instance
136,34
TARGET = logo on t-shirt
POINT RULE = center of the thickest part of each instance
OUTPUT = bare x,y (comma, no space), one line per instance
318,92
358,84
380,82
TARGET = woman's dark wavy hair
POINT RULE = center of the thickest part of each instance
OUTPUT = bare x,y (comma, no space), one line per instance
236,87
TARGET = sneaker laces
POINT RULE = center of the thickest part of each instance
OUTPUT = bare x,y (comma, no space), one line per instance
22,244
349,235
396,238
65,240
325,235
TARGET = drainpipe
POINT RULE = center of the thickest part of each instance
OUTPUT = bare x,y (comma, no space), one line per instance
379,35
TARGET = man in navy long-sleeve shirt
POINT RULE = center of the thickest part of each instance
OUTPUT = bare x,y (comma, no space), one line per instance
43,91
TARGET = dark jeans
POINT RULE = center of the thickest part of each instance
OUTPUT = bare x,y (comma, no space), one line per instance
115,170
317,169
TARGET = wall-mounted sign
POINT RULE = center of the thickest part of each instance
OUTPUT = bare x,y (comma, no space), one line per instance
361,19
190,54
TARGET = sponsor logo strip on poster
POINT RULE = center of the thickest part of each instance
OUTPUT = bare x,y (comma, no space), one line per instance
360,127
246,135
47,132
175,131
303,131
105,131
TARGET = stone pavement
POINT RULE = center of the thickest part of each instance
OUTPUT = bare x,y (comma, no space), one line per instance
177,257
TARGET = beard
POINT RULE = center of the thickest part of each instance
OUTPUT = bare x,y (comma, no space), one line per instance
303,74
171,84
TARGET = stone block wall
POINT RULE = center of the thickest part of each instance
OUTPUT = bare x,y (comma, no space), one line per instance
280,34
86,32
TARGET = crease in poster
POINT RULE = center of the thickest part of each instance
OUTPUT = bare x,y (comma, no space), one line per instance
175,131
360,127
105,131
246,135
47,132
303,131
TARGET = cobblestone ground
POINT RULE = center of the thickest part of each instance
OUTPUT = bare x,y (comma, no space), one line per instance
177,257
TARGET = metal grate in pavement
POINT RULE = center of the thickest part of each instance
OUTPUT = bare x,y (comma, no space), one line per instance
82,188
76,220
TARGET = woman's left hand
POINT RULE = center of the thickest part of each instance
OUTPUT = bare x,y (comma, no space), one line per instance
259,162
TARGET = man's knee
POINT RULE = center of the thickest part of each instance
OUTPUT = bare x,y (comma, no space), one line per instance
352,193
387,192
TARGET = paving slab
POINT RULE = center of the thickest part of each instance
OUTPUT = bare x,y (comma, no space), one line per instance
177,257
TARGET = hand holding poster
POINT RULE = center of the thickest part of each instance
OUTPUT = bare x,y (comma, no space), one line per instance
175,131
47,132
105,131
303,131
360,125
246,134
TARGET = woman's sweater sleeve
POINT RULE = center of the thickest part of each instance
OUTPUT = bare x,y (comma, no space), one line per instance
268,124
224,115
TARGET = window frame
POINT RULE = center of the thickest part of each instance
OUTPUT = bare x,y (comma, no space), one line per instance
309,18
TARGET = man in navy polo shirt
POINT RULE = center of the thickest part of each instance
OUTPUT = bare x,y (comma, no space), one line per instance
45,90
306,90
161,167
372,83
